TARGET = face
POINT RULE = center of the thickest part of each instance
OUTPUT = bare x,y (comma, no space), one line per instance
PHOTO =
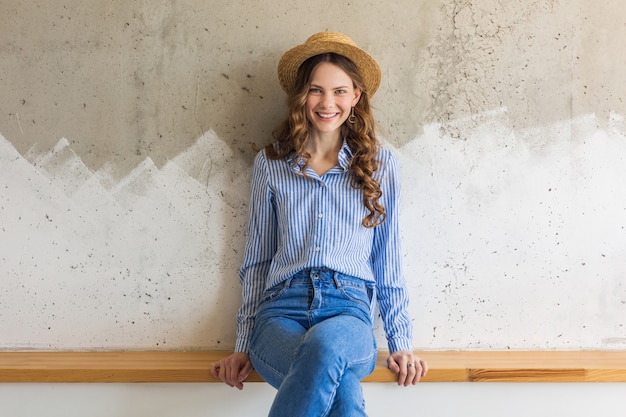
330,98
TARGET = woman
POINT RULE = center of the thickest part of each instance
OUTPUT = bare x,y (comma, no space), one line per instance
323,242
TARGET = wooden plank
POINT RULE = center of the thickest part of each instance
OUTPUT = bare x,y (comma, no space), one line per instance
445,366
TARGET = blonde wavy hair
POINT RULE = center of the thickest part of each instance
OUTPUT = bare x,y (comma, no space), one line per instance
293,133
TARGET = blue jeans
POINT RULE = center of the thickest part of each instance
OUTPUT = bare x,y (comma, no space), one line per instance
313,340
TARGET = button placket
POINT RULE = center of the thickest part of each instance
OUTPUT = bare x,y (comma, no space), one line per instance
319,226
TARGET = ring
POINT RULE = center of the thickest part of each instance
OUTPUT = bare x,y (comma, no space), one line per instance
410,365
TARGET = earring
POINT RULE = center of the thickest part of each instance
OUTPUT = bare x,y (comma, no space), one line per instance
352,117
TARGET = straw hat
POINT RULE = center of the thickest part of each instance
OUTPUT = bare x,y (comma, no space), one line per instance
324,42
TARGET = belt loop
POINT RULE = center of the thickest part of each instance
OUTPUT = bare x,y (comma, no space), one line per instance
287,283
336,279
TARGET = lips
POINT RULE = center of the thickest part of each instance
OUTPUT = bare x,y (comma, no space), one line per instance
327,115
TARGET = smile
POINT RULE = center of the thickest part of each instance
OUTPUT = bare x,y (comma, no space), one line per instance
327,115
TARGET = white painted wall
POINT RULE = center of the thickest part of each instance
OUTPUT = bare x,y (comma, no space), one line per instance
510,242
383,400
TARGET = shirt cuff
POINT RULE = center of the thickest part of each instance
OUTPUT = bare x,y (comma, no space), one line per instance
242,345
399,344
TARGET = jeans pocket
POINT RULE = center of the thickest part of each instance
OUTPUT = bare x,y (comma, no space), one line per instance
272,294
361,293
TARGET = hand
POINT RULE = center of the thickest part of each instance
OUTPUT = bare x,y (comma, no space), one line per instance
410,368
233,369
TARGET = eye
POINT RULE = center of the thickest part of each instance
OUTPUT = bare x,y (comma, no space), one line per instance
341,91
314,90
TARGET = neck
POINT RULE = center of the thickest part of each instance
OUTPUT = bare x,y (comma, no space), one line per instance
324,151
324,143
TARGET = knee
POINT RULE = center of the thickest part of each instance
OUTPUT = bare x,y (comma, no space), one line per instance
318,348
343,343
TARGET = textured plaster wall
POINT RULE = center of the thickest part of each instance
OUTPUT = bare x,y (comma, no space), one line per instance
125,133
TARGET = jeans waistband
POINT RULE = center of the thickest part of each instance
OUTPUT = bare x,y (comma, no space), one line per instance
309,275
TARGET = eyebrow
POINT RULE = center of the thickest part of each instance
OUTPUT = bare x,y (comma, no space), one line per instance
334,88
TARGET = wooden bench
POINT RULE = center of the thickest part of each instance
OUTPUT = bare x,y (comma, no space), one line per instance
445,366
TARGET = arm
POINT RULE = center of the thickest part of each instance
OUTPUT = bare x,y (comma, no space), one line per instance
259,250
392,294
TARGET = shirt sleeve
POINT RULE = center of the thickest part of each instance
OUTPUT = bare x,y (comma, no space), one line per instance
392,294
259,250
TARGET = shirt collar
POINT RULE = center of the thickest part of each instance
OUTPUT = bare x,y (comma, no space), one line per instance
345,154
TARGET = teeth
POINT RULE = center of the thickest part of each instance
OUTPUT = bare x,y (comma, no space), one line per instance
326,116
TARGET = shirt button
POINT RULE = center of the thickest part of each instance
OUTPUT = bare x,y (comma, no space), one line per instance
317,249
320,215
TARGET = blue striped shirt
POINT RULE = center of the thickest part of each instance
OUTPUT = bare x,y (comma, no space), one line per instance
298,222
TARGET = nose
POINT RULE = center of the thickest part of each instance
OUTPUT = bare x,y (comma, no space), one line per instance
327,100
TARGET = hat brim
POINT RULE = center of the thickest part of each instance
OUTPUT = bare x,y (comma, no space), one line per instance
293,58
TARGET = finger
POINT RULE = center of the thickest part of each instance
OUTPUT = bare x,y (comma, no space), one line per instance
245,371
411,373
238,384
215,366
241,376
393,365
231,375
421,369
424,367
397,363
416,372
403,373
225,374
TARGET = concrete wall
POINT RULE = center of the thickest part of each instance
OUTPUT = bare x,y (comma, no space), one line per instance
125,160
125,132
